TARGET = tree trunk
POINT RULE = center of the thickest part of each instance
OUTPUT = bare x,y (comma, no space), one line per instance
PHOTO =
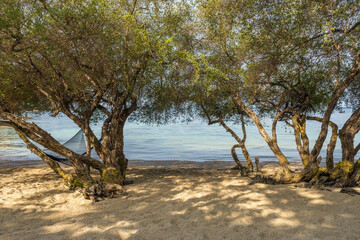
241,144
236,159
331,147
304,137
81,178
257,162
82,175
88,150
50,162
80,168
332,142
347,135
38,135
272,144
301,139
113,152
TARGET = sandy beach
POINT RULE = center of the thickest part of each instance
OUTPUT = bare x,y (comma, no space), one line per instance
172,200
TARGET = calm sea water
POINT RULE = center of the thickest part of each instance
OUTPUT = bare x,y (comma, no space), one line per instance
195,141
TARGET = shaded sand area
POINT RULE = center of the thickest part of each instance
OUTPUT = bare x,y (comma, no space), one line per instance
172,200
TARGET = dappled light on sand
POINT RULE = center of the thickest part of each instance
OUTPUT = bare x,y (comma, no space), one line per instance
173,203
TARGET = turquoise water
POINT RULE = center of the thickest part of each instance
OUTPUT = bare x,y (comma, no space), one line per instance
195,141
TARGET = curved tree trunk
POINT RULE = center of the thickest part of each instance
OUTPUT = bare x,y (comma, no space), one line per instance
331,147
246,154
347,135
305,139
33,132
241,144
272,144
82,175
332,142
50,162
236,159
301,139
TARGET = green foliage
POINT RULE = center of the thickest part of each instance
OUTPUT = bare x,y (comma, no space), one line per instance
273,58
71,50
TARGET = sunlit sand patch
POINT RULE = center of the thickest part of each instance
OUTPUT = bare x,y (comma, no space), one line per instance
235,182
311,194
278,222
240,221
270,191
178,212
187,195
278,212
140,206
261,186
227,194
206,207
316,198
69,226
121,233
327,221
320,202
345,215
213,215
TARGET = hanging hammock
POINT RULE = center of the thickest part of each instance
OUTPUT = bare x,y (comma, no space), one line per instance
76,144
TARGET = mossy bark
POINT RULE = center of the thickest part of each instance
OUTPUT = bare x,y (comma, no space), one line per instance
113,152
113,175
344,174
354,178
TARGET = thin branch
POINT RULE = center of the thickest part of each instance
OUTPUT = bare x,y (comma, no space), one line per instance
210,122
357,148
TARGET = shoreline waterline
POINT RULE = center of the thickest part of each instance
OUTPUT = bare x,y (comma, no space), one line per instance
156,164
194,141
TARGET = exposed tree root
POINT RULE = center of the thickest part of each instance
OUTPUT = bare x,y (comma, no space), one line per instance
100,191
344,175
263,179
354,178
244,171
97,190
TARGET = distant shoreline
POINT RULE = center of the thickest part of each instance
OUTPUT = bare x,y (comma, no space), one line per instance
168,164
